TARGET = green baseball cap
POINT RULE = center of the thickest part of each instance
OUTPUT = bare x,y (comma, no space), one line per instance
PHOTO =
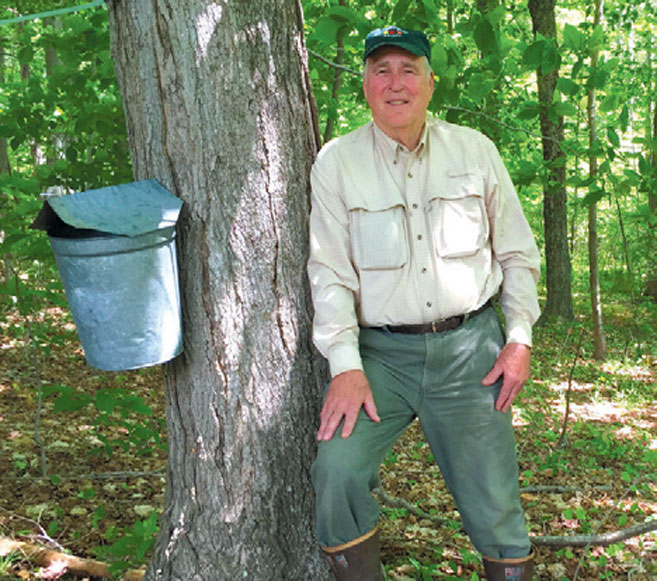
413,41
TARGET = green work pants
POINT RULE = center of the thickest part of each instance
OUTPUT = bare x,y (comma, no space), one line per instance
436,378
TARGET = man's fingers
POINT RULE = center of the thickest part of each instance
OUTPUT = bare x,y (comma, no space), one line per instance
349,423
492,376
347,393
508,393
370,408
328,426
502,404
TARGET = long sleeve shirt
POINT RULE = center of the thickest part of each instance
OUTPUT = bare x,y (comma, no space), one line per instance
406,237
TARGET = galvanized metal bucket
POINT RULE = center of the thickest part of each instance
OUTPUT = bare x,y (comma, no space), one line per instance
123,294
115,249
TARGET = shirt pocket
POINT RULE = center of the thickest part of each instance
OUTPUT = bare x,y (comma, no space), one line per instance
378,238
458,217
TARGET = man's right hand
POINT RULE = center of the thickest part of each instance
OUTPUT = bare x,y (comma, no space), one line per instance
347,393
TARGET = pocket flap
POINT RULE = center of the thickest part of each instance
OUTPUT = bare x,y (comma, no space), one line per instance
378,238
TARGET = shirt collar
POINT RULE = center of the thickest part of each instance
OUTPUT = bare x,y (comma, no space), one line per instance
393,147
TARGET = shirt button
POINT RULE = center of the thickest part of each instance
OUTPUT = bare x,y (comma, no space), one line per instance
419,236
410,175
415,206
428,304
424,270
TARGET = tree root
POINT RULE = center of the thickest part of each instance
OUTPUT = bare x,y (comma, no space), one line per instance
60,563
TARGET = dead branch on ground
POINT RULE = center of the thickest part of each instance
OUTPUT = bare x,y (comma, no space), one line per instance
56,560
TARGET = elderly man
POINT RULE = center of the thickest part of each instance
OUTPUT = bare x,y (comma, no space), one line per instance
415,226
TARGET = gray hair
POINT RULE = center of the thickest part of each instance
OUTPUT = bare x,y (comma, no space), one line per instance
427,66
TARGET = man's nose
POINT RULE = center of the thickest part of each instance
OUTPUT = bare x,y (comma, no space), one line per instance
396,82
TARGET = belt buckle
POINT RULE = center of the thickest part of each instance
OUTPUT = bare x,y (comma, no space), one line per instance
433,327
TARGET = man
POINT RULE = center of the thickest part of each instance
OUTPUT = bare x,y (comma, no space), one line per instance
415,226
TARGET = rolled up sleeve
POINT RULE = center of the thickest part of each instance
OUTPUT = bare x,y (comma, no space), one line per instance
333,279
515,249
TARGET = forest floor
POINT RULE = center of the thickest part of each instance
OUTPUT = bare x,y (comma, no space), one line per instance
104,443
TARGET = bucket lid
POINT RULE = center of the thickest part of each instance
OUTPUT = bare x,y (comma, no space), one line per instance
127,209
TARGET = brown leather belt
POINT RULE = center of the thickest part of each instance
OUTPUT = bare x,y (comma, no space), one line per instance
448,324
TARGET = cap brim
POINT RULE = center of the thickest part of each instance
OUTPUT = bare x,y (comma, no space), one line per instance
413,49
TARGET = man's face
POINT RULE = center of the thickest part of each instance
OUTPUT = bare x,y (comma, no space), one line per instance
398,87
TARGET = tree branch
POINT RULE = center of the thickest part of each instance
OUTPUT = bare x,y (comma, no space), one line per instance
562,437
601,540
395,502
334,65
98,476
563,489
62,562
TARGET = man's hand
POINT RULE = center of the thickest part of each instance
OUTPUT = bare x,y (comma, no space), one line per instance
513,364
348,392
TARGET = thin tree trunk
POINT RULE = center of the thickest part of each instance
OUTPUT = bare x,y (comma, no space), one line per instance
450,17
653,157
650,285
56,146
337,81
555,214
5,165
626,251
600,349
218,108
35,146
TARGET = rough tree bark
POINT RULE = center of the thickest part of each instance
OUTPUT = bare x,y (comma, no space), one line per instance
555,216
218,108
600,342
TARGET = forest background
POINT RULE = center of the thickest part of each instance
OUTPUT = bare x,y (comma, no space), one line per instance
82,452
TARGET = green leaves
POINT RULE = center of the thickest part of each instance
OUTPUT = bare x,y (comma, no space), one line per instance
581,43
400,10
567,87
479,86
543,54
129,545
574,39
431,10
438,58
609,103
486,37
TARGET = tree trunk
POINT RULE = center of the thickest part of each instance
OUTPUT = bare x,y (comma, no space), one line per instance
5,165
25,72
56,146
219,109
337,81
555,215
652,200
450,17
600,349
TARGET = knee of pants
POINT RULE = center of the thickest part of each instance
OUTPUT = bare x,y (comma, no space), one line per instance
341,467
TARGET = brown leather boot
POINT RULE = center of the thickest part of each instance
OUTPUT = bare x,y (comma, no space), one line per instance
509,569
358,560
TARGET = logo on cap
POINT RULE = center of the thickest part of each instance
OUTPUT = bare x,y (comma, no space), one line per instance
413,41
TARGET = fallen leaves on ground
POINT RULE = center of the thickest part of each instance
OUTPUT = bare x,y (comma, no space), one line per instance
605,470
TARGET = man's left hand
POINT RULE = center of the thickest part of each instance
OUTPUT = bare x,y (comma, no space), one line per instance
513,365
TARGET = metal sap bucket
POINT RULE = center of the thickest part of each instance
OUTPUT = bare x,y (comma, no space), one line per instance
115,250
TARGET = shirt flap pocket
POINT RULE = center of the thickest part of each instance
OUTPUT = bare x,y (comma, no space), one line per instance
378,238
461,184
458,216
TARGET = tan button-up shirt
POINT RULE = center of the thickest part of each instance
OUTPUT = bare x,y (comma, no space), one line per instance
404,237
